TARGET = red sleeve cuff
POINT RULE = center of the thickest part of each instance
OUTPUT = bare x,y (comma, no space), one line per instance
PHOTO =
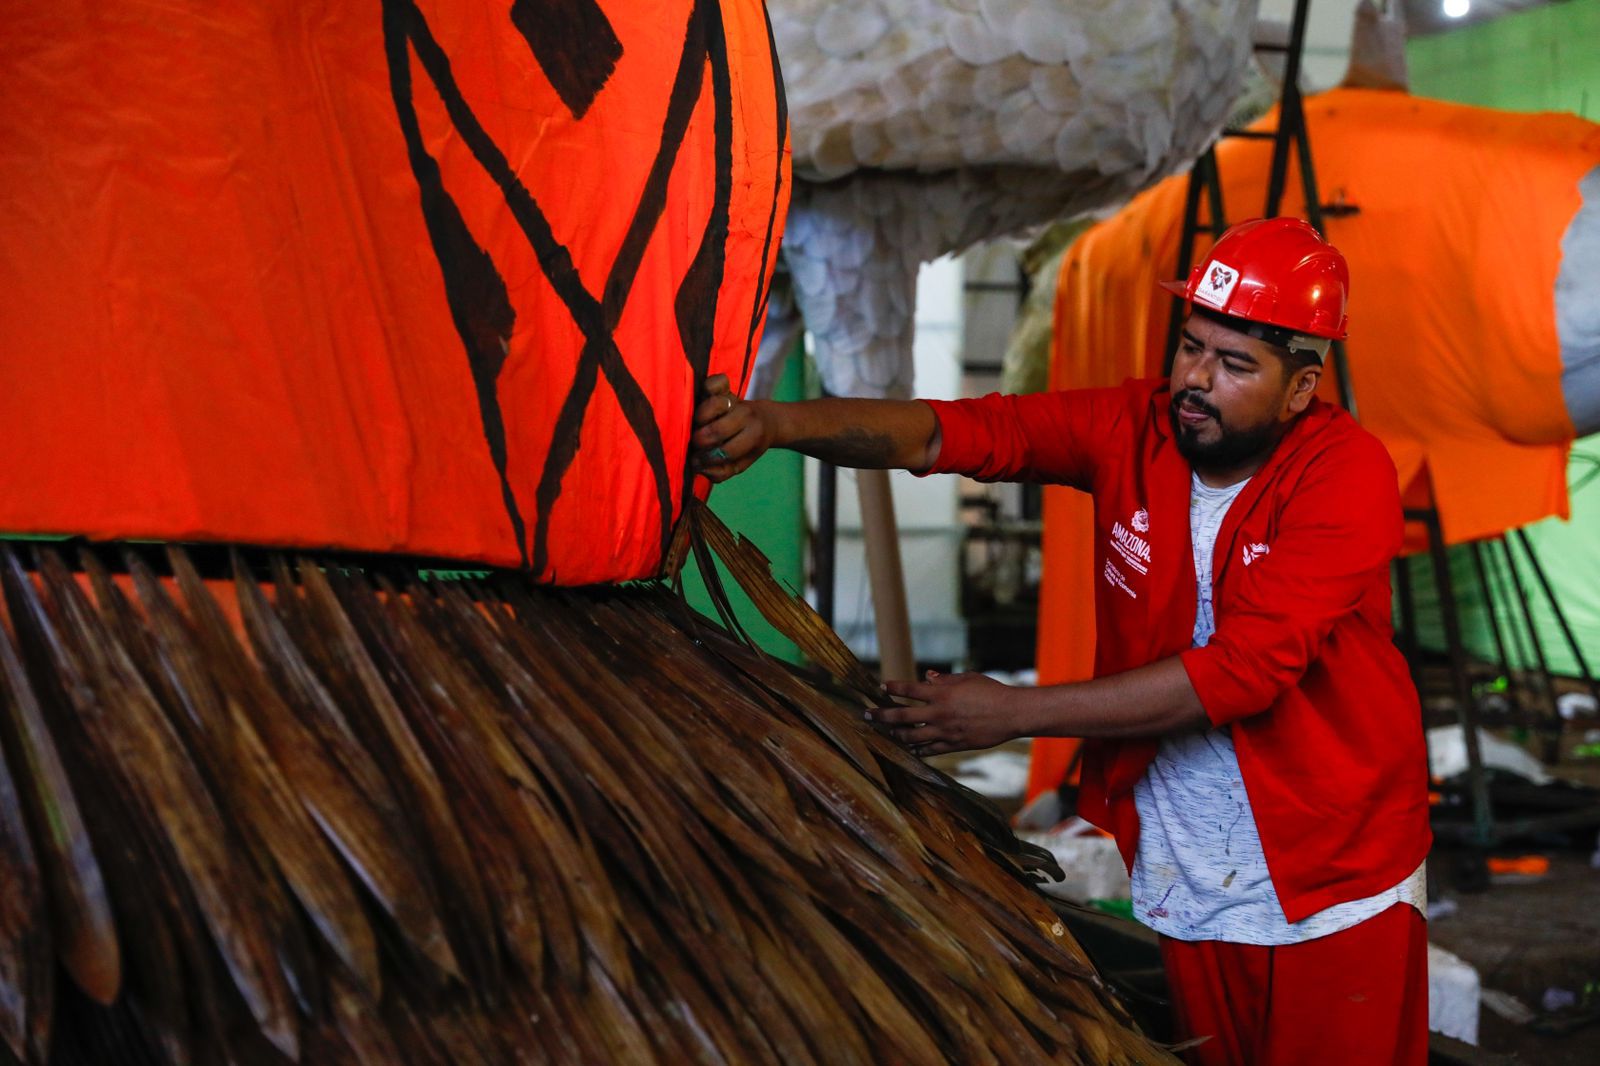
1223,696
957,439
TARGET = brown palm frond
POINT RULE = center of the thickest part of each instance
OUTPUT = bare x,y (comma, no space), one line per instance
362,818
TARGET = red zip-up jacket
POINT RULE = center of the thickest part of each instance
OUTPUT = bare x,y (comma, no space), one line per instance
1302,665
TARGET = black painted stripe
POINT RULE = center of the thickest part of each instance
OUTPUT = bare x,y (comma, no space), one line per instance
573,43
474,290
681,103
596,320
696,304
758,310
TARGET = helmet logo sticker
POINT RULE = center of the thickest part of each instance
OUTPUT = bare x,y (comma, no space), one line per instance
1217,284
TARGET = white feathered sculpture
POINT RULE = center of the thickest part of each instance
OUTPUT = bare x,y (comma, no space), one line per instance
922,126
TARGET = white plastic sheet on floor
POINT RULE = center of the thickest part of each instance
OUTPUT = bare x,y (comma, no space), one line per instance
1447,755
1453,990
1092,865
996,774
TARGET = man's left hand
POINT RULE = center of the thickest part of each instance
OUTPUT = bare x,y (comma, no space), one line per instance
960,712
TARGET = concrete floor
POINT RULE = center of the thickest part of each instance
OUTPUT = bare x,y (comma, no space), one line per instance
1525,938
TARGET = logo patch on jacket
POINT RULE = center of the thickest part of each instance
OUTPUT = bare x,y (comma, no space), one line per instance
1252,552
1141,521
1134,549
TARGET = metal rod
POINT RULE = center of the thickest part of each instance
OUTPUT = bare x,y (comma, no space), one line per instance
1477,778
1516,646
825,544
1219,217
1313,198
1514,828
1408,618
1527,621
1503,660
1290,119
1561,617
1191,223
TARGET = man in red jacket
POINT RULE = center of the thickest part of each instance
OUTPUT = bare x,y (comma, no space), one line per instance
1254,741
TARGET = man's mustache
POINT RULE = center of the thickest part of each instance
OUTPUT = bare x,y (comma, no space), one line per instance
1188,398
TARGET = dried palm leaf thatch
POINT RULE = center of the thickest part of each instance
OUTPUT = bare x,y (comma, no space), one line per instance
308,813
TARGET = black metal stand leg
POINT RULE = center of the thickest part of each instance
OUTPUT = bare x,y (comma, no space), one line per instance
1290,121
1561,617
1219,217
1477,780
1409,643
1191,226
1539,659
823,548
1502,660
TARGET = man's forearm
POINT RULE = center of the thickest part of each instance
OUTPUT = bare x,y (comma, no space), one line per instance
1149,701
865,434
969,711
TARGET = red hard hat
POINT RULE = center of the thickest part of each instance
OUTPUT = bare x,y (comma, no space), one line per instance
1278,272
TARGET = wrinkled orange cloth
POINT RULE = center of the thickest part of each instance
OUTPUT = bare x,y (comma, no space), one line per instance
324,275
1454,247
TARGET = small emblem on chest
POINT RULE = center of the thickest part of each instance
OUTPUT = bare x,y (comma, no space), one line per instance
1133,548
1252,552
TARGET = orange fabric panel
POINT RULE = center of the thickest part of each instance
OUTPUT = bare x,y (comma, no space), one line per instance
431,278
1066,633
1453,349
1453,253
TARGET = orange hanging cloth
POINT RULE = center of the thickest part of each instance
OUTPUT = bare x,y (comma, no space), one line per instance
1455,244
434,278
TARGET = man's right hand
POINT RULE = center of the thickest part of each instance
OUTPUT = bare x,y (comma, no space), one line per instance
729,433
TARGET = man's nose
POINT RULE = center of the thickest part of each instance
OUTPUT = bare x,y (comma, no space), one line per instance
1195,374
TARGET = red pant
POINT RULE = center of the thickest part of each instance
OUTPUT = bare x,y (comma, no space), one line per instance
1355,998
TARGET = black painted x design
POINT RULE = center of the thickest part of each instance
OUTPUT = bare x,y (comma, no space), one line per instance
476,292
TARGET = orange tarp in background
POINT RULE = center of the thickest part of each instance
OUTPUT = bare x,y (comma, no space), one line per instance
1454,247
432,278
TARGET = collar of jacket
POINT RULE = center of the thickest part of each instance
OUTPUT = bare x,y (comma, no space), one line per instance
1302,433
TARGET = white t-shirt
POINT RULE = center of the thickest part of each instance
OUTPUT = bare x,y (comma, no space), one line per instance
1200,873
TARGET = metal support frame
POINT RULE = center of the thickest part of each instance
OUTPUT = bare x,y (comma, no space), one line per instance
1560,615
1466,707
1205,179
1487,829
1536,648
1502,660
824,545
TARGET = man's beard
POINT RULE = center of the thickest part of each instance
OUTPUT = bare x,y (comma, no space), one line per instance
1232,447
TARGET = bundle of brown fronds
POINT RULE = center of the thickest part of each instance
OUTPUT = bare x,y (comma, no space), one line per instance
346,818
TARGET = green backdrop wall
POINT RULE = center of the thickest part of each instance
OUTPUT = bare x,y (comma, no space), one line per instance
766,504
1546,59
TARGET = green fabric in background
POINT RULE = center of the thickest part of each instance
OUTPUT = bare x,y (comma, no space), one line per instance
1569,552
1544,59
766,504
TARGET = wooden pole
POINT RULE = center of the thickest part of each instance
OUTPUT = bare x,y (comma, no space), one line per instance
882,541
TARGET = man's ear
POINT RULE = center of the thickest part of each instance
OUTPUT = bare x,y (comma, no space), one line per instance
1302,387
